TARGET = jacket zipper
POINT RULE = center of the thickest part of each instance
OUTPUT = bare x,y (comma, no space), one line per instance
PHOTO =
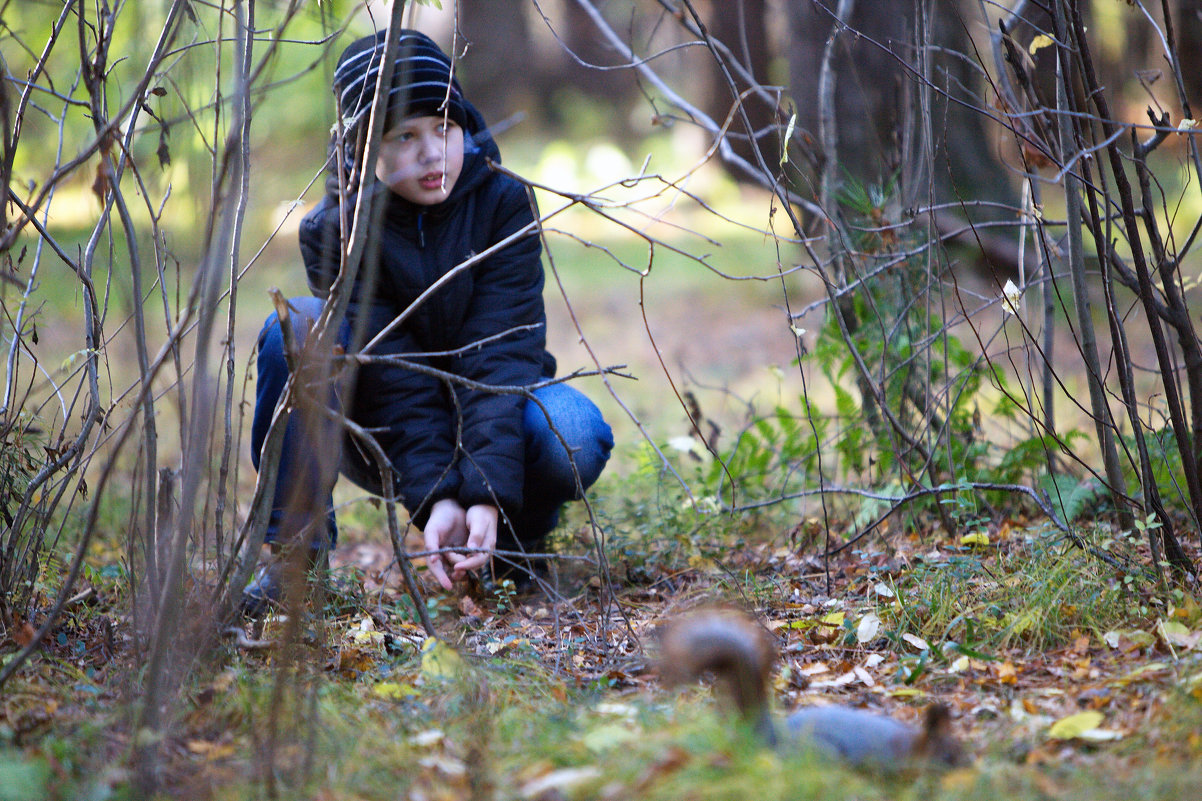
421,230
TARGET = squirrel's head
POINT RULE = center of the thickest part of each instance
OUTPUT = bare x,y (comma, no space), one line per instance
726,644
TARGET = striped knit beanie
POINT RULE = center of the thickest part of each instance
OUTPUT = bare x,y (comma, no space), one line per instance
422,80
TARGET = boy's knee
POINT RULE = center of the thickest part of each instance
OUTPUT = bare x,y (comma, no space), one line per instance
302,313
571,443
271,339
590,459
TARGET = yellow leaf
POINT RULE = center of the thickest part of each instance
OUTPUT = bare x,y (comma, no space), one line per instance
1142,672
1019,623
394,691
439,660
832,619
905,692
975,538
804,623
1073,726
1189,609
361,637
1038,43
212,751
917,642
1129,640
1194,686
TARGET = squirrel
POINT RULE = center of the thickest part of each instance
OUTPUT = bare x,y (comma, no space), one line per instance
740,655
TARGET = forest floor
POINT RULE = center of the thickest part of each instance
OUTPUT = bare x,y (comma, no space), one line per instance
1064,679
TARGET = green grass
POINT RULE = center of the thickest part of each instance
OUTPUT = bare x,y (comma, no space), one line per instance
505,727
1036,592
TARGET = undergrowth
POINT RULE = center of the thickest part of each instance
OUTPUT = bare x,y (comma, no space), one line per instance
1036,592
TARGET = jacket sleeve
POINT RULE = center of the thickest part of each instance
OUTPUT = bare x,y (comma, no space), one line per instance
321,245
507,294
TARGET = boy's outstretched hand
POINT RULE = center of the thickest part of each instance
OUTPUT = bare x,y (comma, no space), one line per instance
481,522
450,526
446,527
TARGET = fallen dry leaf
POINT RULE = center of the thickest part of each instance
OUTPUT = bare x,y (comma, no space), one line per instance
24,634
212,751
1177,636
867,628
562,779
469,608
1071,727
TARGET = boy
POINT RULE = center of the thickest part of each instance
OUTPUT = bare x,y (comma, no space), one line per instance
472,466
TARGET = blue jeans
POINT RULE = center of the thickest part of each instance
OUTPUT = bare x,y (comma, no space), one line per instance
310,460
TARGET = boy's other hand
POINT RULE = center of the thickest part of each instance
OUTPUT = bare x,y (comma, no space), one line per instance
447,528
481,522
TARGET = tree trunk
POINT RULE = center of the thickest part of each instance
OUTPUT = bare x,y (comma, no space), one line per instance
1189,48
742,26
491,77
875,68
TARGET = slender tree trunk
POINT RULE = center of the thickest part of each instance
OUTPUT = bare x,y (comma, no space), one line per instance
490,33
1069,147
742,25
1189,48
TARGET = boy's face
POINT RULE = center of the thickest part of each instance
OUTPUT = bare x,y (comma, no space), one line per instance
420,159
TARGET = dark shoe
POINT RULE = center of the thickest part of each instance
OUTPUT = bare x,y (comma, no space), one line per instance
266,589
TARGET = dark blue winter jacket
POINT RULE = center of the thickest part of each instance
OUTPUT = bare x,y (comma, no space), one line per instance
447,441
